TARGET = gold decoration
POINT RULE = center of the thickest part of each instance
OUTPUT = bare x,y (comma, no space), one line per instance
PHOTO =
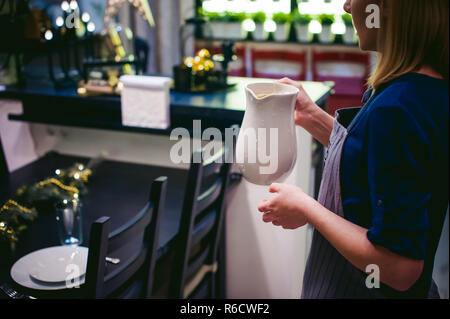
70,189
113,78
201,62
11,215
142,6
203,53
15,217
189,62
11,202
118,48
9,234
82,173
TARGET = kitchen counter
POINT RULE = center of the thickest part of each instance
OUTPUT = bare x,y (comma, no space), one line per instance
42,103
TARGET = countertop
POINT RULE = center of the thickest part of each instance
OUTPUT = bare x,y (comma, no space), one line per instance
43,103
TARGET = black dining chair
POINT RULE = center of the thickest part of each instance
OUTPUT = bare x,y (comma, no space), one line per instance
131,278
195,261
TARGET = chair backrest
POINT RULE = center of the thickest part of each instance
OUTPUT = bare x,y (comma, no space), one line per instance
144,227
195,262
279,59
345,84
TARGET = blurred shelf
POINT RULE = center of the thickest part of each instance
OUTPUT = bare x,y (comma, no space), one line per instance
332,44
37,46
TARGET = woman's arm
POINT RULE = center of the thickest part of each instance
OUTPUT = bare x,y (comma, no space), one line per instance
310,116
351,241
292,208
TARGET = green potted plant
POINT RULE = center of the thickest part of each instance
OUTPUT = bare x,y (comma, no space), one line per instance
282,20
302,22
233,24
259,18
326,20
224,25
349,36
211,16
215,22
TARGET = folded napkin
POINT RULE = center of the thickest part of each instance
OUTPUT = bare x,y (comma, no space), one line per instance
145,101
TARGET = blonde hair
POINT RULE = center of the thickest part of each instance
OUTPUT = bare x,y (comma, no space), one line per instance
414,33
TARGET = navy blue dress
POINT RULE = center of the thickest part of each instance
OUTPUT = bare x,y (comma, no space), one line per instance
394,171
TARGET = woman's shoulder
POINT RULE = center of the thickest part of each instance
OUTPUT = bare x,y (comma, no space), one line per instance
415,90
424,98
414,106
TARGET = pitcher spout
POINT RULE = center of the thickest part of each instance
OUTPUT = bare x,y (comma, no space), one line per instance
262,91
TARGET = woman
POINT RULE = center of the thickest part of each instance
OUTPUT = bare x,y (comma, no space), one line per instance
384,191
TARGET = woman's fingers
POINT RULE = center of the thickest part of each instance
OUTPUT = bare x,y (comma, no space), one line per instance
269,218
264,206
285,80
289,81
276,223
275,188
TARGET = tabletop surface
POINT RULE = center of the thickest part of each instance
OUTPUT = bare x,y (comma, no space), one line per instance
119,190
234,98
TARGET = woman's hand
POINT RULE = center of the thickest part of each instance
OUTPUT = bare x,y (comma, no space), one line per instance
310,116
304,105
287,208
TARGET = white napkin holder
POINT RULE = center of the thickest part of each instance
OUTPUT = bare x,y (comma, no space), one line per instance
145,101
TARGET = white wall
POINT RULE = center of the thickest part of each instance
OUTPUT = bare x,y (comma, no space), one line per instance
18,145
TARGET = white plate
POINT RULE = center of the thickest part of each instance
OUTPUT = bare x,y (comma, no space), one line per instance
50,268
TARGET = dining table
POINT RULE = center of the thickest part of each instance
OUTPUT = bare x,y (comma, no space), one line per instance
116,189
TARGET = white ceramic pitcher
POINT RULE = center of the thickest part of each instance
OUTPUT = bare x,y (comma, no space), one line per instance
266,148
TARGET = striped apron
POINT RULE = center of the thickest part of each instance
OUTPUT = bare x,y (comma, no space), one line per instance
328,274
